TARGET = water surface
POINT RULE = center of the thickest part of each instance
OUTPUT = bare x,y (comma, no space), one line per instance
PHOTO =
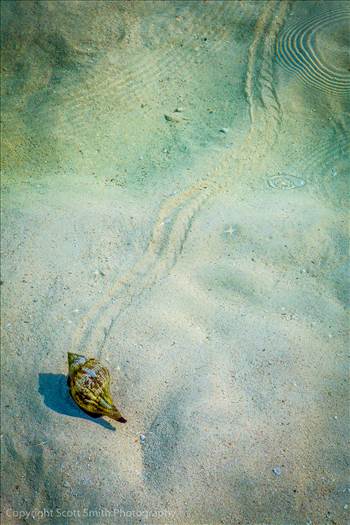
174,201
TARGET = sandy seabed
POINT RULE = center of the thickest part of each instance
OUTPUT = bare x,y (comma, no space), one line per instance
175,203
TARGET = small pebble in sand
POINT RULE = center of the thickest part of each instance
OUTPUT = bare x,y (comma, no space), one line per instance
142,439
172,118
277,471
175,117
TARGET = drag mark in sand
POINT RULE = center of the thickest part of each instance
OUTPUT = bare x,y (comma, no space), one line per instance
252,57
178,211
165,245
260,92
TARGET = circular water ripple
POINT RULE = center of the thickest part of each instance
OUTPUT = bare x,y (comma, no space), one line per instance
297,50
284,181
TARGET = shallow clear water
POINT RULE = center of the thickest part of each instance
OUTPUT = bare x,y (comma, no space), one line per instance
175,202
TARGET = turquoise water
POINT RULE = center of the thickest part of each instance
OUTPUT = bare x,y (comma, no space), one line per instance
175,202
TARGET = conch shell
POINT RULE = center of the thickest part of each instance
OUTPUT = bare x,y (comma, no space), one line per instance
89,386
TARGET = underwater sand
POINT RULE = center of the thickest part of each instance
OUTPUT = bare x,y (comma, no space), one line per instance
202,257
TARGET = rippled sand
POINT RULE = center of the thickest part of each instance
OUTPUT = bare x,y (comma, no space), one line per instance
174,202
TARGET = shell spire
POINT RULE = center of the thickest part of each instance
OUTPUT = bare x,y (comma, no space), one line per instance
89,386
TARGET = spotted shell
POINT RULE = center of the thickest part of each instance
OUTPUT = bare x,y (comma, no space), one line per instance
89,386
